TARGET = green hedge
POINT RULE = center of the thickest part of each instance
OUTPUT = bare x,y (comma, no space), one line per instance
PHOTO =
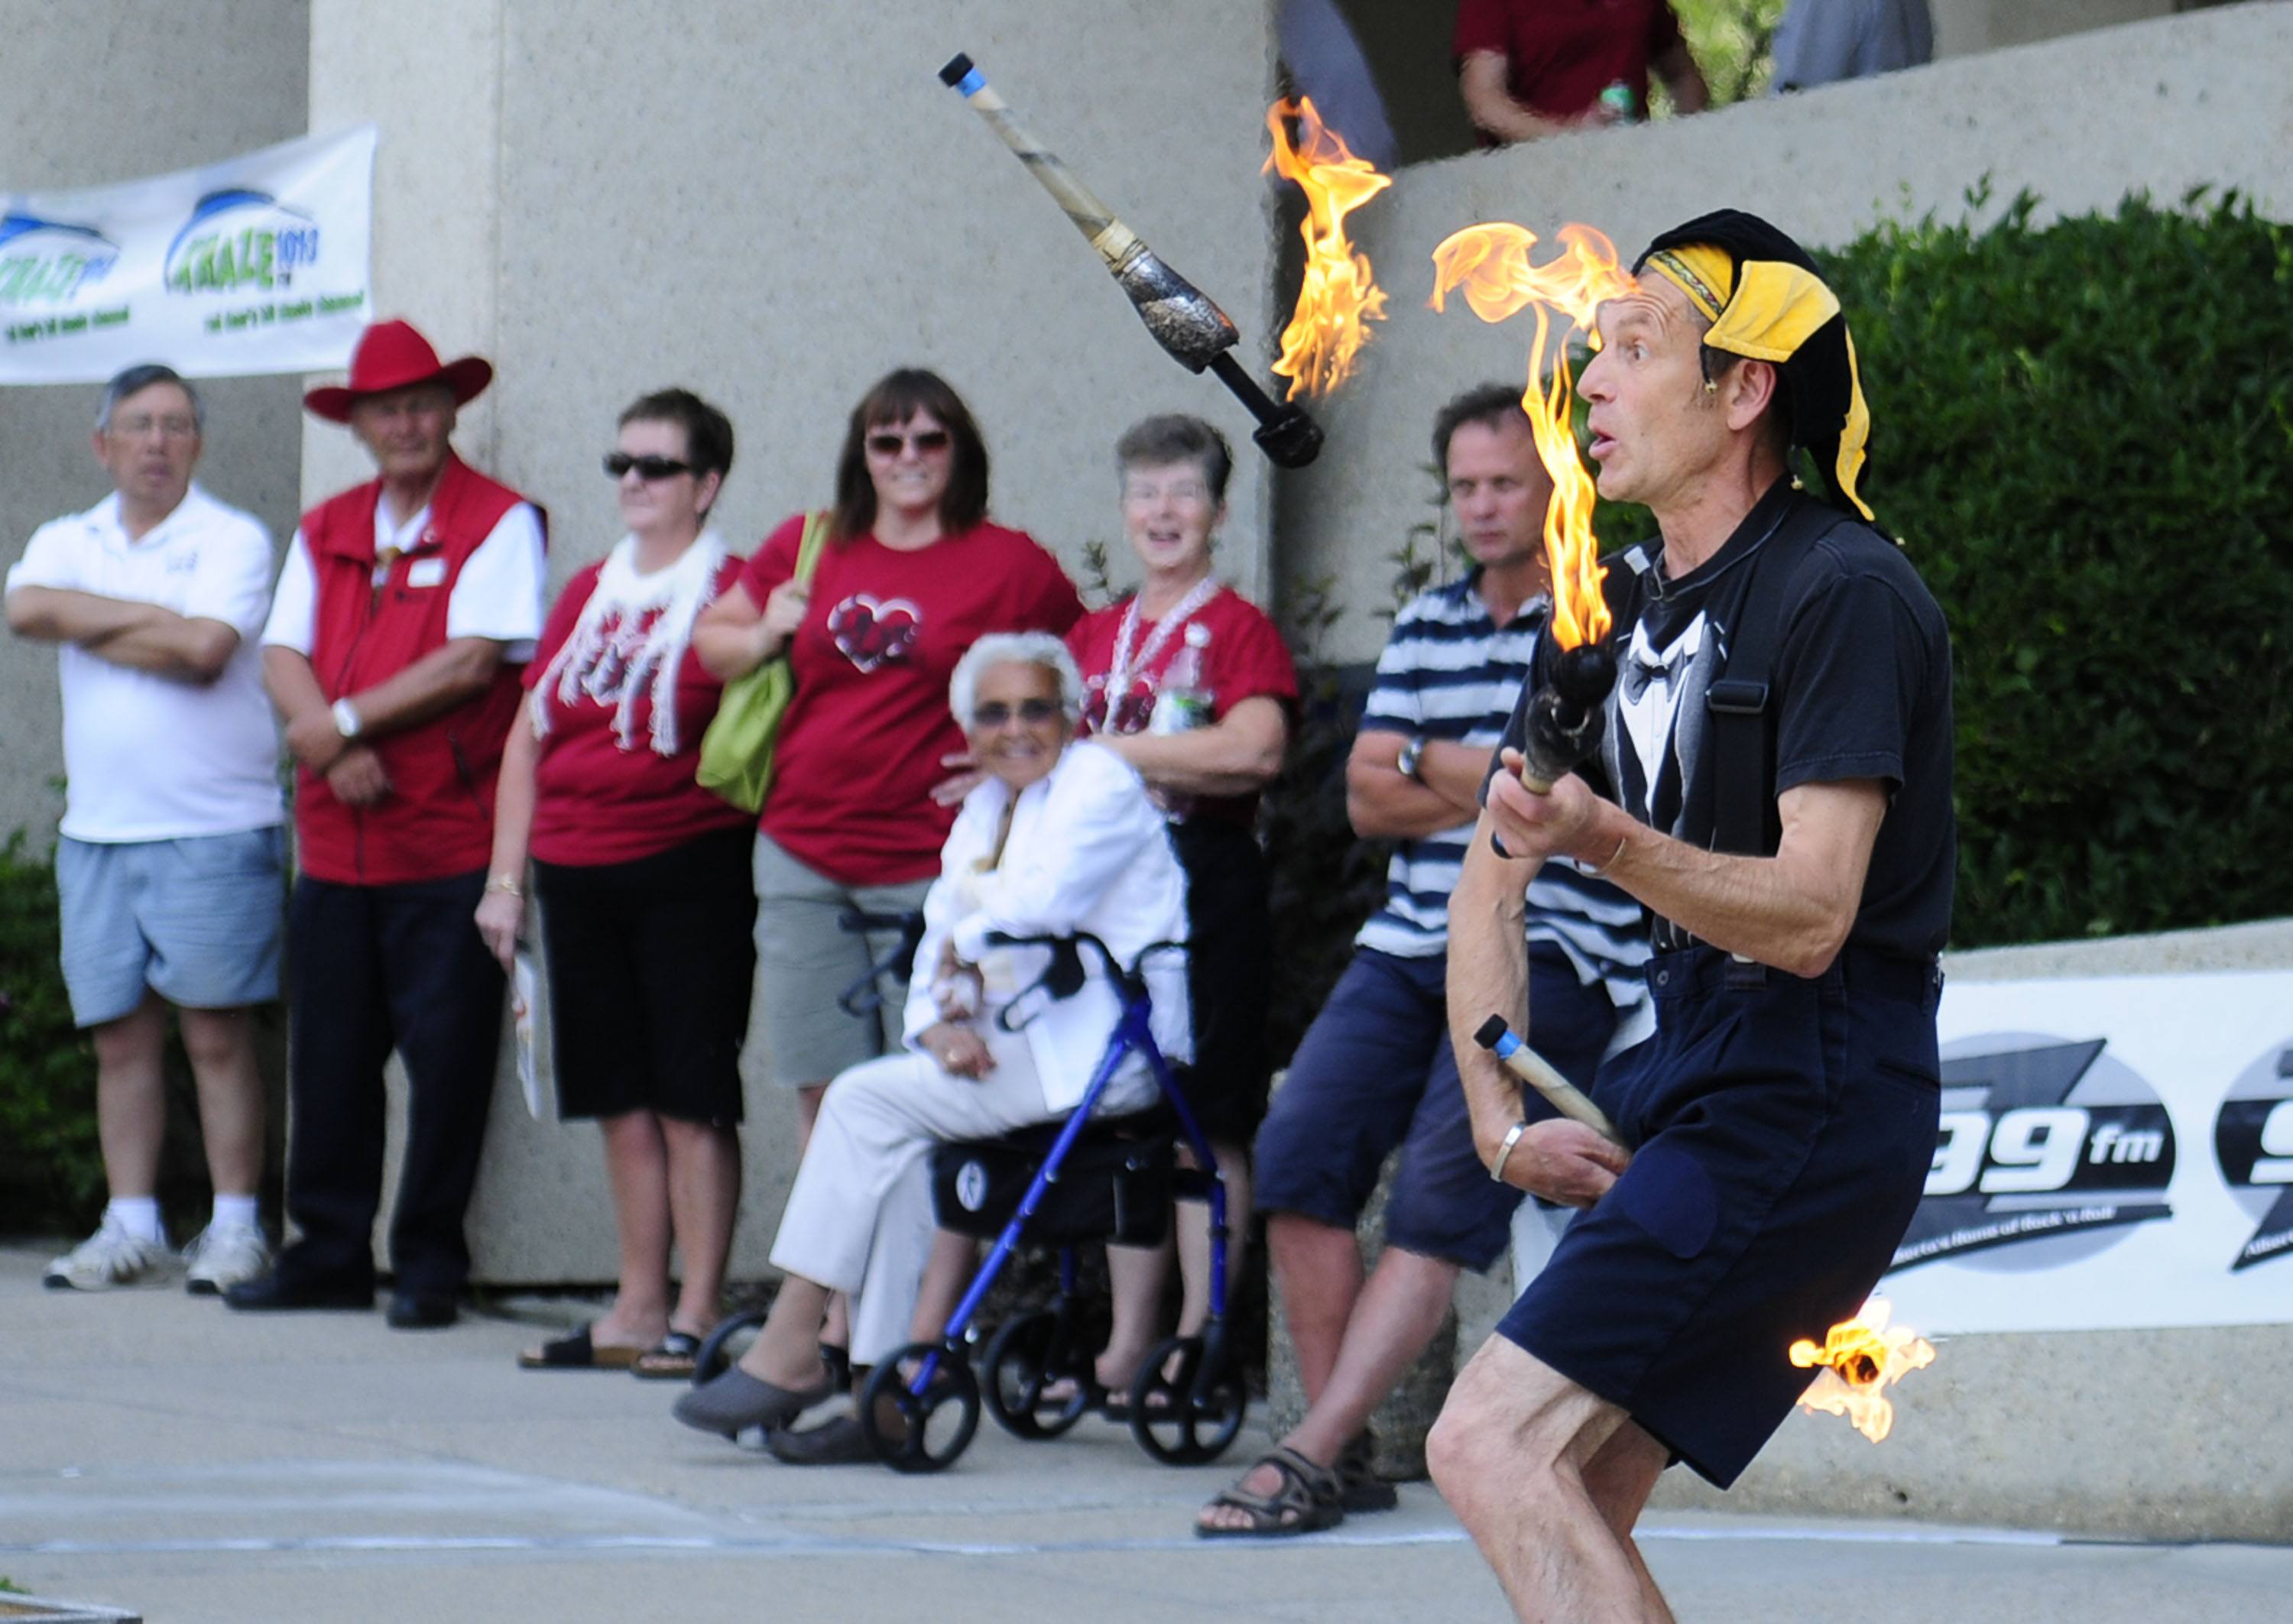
2084,432
51,1168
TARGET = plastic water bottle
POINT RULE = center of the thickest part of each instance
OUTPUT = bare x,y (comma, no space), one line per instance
1619,97
1182,700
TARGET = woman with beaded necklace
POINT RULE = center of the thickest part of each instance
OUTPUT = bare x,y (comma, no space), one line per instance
1190,681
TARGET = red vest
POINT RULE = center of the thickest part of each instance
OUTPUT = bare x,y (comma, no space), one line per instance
438,819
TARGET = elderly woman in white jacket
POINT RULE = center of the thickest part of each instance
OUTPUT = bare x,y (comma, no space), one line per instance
1060,837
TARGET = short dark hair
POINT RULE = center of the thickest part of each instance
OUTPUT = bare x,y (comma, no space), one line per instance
1776,422
707,432
892,398
1175,437
1491,405
134,381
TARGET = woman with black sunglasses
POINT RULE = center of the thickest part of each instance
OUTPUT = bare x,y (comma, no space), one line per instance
913,573
642,878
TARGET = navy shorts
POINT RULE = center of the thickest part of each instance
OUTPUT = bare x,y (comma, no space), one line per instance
1375,1071
1782,1133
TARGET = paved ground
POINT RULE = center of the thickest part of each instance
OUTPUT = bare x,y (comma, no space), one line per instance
161,1454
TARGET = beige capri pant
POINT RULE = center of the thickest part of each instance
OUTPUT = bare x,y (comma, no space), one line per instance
859,1218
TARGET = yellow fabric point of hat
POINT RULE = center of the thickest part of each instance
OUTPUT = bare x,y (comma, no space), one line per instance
1853,436
1775,307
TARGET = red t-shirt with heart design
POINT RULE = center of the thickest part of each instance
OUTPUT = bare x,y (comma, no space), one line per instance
860,747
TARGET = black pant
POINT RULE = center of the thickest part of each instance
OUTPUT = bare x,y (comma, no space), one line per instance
376,968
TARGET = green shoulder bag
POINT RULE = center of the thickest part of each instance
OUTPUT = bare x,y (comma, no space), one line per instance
736,752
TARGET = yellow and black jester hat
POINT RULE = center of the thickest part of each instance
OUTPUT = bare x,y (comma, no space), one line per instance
1767,302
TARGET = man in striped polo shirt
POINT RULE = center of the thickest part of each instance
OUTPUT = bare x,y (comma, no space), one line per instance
1375,1071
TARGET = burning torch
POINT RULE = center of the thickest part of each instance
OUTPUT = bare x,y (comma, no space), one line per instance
1181,317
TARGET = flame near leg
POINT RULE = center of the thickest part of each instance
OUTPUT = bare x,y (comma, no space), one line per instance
1858,1358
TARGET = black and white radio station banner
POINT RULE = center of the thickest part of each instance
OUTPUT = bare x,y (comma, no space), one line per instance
256,264
2114,1154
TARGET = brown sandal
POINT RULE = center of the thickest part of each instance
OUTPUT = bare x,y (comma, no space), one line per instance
1307,1502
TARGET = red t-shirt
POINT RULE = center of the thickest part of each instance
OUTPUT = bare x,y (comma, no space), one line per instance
596,801
1560,55
860,747
1244,659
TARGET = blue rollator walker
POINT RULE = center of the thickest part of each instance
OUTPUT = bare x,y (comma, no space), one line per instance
1077,1180
1188,1403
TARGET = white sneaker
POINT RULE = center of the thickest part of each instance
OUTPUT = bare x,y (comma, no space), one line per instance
223,1255
110,1257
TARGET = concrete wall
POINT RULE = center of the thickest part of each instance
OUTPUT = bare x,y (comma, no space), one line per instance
774,203
2162,105
1963,26
98,93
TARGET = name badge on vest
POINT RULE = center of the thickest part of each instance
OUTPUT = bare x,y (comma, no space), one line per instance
426,572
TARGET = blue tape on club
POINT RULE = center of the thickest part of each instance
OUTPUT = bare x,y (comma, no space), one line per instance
971,84
1506,1045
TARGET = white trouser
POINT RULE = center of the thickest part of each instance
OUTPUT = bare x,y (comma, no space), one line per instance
859,1218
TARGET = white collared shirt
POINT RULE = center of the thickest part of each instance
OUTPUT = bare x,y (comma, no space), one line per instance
499,594
149,757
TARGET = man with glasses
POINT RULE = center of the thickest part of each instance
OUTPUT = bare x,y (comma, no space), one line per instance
168,863
405,608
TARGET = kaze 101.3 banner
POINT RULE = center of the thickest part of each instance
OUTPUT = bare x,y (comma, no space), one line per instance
257,263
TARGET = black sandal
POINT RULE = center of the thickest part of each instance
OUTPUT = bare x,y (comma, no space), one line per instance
577,1351
1359,1487
1307,1501
672,1359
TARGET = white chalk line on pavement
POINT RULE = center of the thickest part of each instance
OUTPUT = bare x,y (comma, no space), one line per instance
800,1546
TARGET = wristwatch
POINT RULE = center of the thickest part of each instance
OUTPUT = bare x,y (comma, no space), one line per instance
1412,753
346,718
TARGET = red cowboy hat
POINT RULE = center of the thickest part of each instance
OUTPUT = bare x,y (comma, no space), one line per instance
392,355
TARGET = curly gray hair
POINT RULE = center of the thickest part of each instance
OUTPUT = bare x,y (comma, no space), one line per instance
1015,649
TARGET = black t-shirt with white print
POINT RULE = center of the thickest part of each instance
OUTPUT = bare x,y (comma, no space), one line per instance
1859,689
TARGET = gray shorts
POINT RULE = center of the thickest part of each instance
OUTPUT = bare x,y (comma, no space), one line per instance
805,960
197,920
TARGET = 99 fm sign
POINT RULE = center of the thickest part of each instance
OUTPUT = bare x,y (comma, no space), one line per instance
2040,1140
2253,1139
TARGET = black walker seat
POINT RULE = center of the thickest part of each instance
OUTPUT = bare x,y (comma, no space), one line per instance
1065,1182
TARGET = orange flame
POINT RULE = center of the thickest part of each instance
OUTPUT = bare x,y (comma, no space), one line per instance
1860,1357
1491,264
1325,331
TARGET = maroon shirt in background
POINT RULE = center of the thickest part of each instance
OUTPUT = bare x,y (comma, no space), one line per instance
1561,54
595,802
1246,658
859,746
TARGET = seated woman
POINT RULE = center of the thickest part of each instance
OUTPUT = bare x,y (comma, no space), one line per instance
1059,837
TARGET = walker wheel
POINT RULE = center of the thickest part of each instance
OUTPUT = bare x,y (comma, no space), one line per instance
1025,1357
1172,1421
725,1344
926,1432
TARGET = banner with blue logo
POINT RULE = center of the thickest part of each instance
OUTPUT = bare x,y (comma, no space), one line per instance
255,264
2115,1153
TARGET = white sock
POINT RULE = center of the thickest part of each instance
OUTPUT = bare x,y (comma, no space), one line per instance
233,1212
138,1215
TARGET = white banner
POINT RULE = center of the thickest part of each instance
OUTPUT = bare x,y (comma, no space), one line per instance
2116,1153
255,264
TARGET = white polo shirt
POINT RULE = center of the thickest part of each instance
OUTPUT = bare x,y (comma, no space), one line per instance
149,757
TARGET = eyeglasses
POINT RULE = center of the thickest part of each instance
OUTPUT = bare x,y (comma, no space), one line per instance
649,468
1034,713
166,428
929,442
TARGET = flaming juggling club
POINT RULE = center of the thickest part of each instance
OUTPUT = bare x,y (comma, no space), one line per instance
1181,317
1532,1069
1564,717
